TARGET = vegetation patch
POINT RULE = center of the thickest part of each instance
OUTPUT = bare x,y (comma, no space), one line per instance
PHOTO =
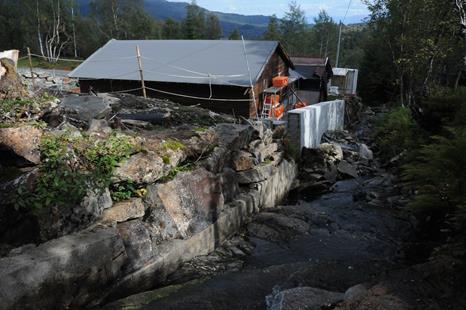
172,144
175,170
72,164
12,110
397,133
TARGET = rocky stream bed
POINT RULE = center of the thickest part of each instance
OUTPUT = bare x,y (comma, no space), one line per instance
341,241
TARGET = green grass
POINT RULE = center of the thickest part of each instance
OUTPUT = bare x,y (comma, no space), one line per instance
44,64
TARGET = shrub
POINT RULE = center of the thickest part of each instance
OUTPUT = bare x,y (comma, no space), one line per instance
397,133
445,107
73,164
438,173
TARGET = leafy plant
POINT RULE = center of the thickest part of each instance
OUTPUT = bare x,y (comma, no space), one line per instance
71,165
175,170
123,191
172,144
438,173
396,133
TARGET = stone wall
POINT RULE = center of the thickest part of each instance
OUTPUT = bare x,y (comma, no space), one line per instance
139,242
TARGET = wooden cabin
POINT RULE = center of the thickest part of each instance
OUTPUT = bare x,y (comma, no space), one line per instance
314,75
215,74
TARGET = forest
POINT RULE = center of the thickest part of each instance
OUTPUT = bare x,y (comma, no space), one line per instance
57,29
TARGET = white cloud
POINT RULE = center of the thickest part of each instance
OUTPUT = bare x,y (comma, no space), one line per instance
336,8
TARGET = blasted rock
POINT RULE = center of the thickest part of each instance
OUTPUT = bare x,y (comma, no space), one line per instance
138,243
192,201
124,211
57,221
303,298
24,141
242,161
64,272
85,108
140,168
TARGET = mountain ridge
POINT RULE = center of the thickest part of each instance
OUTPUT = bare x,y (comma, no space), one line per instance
251,26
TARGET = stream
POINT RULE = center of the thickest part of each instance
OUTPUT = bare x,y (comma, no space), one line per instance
336,241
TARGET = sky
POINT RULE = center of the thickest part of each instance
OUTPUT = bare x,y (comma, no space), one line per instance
336,8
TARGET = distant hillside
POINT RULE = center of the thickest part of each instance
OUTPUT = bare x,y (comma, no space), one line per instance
251,27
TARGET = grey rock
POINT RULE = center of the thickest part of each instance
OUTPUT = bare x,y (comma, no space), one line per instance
123,211
230,185
140,168
24,141
138,243
355,292
365,152
234,137
347,169
258,174
283,223
99,127
332,151
242,161
160,223
265,151
85,108
192,200
301,298
56,221
65,271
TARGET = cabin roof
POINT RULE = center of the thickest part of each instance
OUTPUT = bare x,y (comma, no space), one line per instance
217,62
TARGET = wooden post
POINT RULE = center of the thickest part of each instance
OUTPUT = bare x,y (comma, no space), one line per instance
30,68
138,54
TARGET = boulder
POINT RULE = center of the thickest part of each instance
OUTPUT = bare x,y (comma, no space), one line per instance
124,211
365,152
82,109
11,86
258,174
217,160
322,159
347,169
160,223
23,141
99,127
192,200
332,151
355,292
264,151
140,168
138,243
57,221
303,298
201,144
242,161
67,271
233,136
230,185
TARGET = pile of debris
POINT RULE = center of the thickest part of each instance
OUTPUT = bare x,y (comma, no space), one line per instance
55,82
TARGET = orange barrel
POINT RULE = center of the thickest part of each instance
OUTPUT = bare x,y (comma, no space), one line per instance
300,105
280,81
277,112
272,99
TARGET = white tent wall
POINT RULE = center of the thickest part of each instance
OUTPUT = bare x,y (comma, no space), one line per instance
306,126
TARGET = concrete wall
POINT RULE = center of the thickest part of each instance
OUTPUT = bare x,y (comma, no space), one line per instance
306,126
